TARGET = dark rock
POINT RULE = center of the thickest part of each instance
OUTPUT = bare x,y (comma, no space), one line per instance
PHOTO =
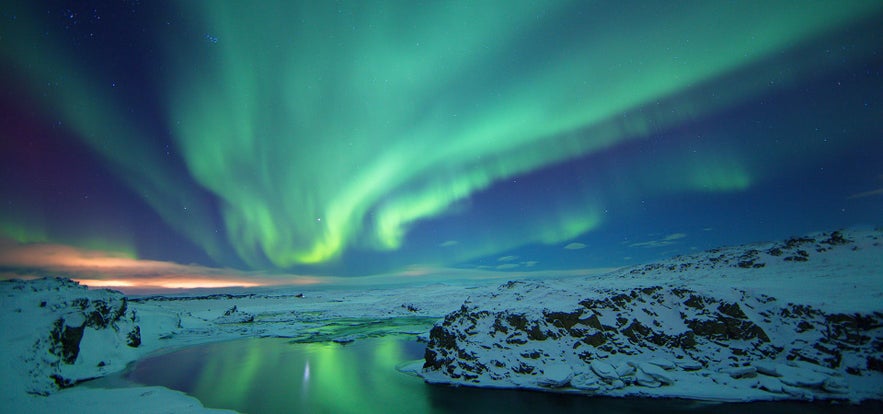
62,382
523,368
797,241
836,239
65,340
804,326
441,337
133,338
532,355
499,327
636,331
519,322
597,339
537,334
732,309
694,302
874,364
564,320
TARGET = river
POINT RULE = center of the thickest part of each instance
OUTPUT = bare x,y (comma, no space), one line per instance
272,375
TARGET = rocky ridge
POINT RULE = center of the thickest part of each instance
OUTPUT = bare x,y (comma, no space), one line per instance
655,332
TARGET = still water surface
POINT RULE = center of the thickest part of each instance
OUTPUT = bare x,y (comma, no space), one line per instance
271,375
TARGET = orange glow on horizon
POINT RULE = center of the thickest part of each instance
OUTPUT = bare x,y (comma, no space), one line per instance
166,283
105,283
110,270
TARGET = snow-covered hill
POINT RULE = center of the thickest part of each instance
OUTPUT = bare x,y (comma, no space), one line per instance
801,319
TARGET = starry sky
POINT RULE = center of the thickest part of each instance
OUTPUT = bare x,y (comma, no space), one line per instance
302,140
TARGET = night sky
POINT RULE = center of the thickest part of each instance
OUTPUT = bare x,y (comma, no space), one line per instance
335,138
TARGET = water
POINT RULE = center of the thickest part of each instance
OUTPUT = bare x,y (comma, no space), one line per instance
271,375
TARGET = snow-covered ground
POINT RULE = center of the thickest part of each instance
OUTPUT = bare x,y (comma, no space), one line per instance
798,319
56,333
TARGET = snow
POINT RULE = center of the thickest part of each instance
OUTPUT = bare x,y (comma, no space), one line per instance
29,310
604,370
799,319
555,376
139,400
558,332
654,371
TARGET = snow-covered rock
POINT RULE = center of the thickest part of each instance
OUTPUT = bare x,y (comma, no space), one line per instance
62,333
796,319
555,376
604,370
655,372
234,315
742,372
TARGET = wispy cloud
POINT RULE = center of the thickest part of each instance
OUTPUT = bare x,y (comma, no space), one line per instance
106,269
99,269
507,258
665,241
575,246
449,243
870,193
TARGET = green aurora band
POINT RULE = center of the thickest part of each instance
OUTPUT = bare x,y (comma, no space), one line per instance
346,127
325,126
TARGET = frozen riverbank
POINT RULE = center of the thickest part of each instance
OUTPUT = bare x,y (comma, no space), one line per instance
799,319
58,333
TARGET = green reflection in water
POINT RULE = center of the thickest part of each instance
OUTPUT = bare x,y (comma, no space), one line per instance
273,375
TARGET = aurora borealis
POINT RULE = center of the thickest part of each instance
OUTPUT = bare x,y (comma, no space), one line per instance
363,137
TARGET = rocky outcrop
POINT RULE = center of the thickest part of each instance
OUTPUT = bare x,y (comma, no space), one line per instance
627,341
67,316
234,316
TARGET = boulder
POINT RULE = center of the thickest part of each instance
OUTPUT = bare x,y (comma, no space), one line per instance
655,372
742,372
604,370
586,382
555,376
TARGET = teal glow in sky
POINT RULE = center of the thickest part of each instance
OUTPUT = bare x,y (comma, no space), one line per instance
358,137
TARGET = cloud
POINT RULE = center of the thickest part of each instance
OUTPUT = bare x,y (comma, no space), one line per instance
575,246
870,193
507,258
665,241
449,243
99,269
107,269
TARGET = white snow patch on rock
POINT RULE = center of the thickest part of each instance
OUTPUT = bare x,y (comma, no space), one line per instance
555,376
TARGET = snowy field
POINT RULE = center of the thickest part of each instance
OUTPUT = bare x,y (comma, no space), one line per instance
799,319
